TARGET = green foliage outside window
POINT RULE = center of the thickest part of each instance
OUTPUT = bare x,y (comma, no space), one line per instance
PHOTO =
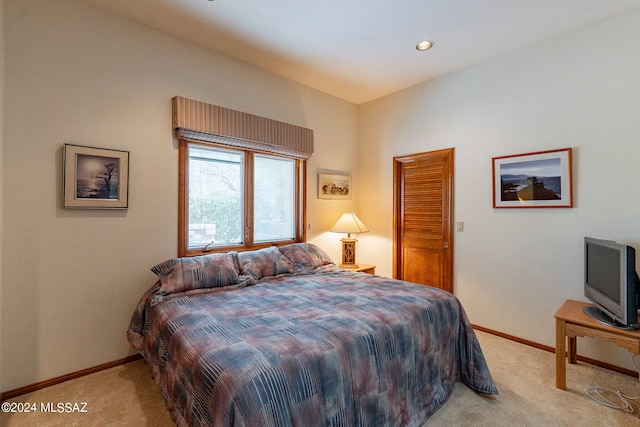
224,211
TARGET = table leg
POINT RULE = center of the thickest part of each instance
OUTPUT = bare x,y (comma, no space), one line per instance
561,364
572,350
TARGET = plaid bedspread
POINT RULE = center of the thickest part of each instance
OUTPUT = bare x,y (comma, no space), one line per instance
328,348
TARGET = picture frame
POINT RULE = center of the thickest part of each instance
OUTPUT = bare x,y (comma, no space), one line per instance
541,179
333,186
95,178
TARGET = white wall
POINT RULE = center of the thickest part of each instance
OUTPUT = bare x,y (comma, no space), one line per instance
75,74
514,268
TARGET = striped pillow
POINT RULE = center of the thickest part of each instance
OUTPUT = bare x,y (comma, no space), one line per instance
199,272
264,263
306,255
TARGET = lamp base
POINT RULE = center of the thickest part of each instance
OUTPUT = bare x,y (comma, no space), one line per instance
349,252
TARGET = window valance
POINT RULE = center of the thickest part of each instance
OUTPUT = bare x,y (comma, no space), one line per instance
198,121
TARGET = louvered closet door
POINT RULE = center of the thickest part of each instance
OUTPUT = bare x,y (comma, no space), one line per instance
423,218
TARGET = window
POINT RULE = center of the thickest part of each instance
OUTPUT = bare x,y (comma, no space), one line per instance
274,199
241,182
216,197
238,199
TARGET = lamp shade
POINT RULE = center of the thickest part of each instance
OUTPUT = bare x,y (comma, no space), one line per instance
349,223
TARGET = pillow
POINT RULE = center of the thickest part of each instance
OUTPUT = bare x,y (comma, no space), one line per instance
199,272
306,255
264,263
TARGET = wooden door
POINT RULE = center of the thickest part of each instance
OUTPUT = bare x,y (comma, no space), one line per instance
423,218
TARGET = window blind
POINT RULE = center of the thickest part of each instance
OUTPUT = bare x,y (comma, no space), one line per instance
199,121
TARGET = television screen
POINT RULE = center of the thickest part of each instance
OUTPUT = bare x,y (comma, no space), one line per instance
603,270
611,282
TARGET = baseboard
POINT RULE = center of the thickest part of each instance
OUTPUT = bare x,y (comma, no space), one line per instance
57,380
584,359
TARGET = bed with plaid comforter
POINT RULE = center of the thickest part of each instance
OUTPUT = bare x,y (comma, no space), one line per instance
251,342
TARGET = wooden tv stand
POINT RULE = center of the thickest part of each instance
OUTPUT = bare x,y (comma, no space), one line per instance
571,322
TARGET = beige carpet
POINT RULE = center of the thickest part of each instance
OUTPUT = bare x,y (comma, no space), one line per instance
127,396
525,378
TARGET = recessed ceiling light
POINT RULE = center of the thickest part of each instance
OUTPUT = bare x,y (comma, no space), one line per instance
424,45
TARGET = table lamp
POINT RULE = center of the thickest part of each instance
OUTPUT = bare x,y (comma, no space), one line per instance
349,223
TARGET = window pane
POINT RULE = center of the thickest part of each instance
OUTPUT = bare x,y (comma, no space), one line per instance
274,199
215,197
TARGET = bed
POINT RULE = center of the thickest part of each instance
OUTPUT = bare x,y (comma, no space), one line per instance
282,336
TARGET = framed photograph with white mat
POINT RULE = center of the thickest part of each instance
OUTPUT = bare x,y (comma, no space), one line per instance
95,178
331,186
533,180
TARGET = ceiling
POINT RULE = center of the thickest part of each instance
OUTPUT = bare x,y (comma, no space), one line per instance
360,50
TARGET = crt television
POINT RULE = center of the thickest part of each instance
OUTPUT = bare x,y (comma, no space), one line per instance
611,283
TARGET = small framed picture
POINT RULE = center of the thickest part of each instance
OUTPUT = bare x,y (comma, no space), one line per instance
334,186
95,178
533,180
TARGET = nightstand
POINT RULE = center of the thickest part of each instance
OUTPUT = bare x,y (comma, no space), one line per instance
571,323
364,268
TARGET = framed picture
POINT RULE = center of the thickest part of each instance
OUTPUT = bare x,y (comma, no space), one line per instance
95,178
334,186
533,180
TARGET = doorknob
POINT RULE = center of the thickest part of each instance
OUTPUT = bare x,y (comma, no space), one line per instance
445,245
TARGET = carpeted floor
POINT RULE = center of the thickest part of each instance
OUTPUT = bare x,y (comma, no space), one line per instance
525,376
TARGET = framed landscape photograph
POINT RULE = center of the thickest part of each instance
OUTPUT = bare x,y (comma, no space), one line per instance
95,178
334,186
533,180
